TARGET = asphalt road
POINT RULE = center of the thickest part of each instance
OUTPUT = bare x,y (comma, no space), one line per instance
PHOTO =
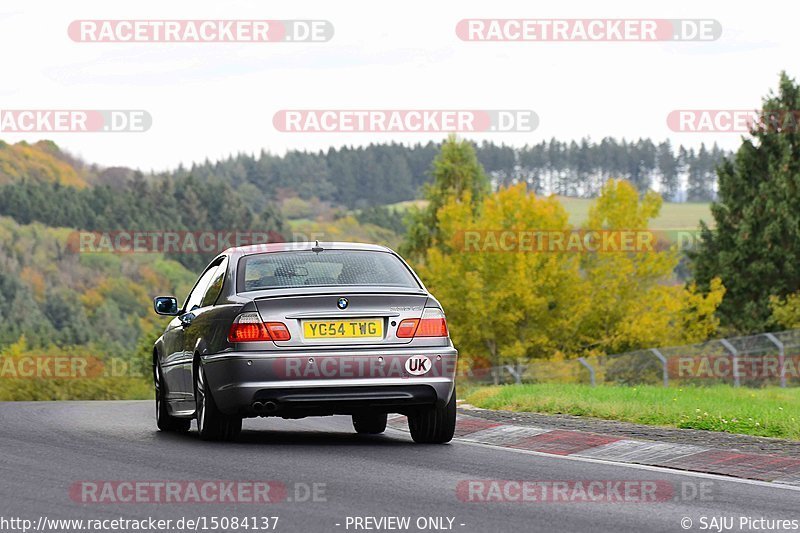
45,448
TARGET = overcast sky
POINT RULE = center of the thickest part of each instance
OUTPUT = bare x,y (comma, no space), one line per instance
210,100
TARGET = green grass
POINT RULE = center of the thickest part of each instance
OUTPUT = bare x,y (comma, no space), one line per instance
768,412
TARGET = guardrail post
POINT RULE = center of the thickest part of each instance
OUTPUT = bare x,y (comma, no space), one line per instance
664,372
515,374
781,355
585,363
734,360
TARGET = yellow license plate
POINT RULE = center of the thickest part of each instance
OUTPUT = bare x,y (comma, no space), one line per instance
343,329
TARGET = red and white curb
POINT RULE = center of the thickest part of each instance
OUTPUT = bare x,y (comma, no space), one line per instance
762,467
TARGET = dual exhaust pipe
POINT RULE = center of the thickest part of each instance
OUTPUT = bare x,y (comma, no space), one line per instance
265,407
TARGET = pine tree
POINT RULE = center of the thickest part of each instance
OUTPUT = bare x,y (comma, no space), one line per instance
668,169
456,174
696,190
755,247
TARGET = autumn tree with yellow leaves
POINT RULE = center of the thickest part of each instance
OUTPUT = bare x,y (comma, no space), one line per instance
506,305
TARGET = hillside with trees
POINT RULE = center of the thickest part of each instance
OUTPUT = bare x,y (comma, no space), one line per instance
56,301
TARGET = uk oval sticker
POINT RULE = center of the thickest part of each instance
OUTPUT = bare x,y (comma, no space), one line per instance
417,365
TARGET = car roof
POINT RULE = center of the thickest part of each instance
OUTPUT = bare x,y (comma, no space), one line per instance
303,246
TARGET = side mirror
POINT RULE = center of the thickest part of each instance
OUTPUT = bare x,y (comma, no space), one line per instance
166,305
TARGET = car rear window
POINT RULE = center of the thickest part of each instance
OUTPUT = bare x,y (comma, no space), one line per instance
324,269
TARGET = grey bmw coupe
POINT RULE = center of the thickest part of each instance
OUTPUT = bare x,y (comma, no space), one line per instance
306,329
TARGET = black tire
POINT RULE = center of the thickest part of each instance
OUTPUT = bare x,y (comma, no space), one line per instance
434,425
370,423
212,424
164,420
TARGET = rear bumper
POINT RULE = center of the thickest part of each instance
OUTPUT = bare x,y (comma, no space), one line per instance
325,383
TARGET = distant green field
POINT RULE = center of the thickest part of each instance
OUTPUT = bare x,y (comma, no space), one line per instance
406,205
673,215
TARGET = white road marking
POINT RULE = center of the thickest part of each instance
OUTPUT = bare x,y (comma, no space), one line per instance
650,468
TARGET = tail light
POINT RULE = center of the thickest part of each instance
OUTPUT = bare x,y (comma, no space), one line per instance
248,327
278,331
432,324
407,328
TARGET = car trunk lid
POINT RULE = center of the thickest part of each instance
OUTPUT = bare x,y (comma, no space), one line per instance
335,317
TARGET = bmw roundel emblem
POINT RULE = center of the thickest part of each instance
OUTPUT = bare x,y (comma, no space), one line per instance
342,303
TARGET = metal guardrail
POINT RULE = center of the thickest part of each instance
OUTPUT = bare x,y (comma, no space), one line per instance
767,359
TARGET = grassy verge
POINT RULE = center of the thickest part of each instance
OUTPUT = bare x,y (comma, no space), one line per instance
769,412
76,389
